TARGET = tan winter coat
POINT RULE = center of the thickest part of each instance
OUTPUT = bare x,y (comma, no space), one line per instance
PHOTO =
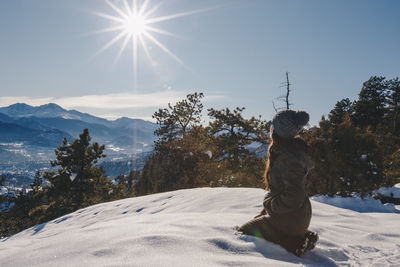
287,202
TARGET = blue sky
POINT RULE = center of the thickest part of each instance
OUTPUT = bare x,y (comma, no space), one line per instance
236,53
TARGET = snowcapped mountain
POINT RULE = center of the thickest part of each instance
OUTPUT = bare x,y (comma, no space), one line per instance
23,110
51,110
195,227
51,117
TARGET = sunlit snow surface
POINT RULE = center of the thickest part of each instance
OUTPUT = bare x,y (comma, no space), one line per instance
196,228
390,191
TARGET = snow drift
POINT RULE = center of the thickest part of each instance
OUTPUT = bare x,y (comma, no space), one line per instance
196,228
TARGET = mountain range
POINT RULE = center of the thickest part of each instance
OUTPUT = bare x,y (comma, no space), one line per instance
31,133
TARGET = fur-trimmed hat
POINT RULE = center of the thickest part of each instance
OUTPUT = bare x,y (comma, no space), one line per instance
288,123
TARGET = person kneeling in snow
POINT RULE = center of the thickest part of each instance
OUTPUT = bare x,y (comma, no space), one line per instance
287,210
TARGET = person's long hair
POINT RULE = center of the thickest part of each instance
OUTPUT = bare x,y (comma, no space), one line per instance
278,143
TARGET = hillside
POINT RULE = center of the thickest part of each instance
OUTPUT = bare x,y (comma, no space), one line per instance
196,228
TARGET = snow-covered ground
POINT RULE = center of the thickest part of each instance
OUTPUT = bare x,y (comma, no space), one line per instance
355,203
196,228
389,191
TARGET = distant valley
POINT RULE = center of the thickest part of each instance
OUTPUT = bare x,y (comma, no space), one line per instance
29,135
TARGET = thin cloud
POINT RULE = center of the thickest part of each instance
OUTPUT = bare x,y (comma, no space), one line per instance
110,101
117,116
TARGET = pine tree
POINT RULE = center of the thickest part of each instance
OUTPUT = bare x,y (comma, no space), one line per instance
392,168
37,182
393,99
341,108
370,108
348,159
182,152
356,149
189,154
180,163
127,182
17,217
76,184
175,121
76,172
2,180
232,134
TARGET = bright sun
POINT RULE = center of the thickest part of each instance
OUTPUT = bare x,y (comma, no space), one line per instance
134,25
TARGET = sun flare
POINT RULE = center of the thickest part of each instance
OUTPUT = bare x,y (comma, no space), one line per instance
134,25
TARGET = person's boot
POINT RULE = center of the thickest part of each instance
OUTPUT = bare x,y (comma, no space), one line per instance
302,248
294,244
312,239
309,241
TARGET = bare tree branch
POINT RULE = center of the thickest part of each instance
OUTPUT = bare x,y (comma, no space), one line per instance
287,91
273,105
